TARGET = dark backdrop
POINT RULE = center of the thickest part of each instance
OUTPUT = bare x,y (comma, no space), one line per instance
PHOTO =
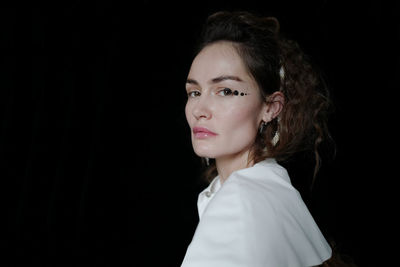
95,154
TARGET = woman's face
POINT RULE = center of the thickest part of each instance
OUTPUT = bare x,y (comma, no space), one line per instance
223,122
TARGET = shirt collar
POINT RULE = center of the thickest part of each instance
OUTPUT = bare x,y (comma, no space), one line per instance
207,194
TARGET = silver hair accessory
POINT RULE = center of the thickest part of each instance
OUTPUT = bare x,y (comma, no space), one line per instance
282,74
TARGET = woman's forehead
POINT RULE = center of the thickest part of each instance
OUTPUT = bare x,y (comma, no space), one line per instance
218,60
220,63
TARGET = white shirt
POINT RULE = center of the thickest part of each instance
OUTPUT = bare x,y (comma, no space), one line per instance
255,219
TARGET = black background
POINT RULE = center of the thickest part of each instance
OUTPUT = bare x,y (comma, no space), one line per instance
95,154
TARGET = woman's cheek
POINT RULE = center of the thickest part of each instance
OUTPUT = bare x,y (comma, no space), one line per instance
236,115
240,126
188,113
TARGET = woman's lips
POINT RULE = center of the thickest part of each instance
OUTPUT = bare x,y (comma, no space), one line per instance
202,133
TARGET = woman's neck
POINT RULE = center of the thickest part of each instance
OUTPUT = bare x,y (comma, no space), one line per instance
228,164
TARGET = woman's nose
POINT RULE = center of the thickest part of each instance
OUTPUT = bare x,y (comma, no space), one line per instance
202,109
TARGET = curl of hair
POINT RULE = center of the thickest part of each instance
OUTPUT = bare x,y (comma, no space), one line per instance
302,123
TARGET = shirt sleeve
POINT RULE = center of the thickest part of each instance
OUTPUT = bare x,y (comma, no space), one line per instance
251,225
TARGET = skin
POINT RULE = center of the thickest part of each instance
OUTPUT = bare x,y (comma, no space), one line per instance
234,118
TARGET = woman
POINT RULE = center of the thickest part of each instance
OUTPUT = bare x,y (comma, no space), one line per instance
253,100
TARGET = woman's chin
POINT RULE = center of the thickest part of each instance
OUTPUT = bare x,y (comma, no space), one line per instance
204,154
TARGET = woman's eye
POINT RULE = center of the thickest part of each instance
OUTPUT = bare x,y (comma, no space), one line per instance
225,92
193,93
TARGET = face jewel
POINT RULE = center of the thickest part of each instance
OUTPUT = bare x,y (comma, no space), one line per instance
237,93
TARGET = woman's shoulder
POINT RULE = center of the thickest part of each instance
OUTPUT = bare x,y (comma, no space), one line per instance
265,193
266,181
262,196
265,201
260,209
264,172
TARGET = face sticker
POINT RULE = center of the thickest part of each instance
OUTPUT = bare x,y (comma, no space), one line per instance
236,92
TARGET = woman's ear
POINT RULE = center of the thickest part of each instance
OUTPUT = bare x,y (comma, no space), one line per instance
274,105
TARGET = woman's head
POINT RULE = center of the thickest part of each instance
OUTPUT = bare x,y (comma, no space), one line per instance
283,91
224,98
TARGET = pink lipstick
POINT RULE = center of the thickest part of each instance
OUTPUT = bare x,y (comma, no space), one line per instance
202,133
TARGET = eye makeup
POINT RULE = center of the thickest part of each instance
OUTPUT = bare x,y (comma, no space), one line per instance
236,92
226,92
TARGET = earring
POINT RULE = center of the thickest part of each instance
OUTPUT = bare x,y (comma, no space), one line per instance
263,124
275,139
207,161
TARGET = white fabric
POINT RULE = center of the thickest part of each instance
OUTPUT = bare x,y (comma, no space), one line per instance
256,218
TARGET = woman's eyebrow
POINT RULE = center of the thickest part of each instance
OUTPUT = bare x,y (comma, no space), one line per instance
216,79
226,77
192,81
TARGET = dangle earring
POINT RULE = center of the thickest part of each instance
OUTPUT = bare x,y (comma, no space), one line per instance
261,129
275,139
207,161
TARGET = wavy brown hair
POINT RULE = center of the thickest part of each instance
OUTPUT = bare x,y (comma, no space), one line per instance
302,123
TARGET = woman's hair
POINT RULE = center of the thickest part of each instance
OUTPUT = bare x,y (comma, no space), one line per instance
302,123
